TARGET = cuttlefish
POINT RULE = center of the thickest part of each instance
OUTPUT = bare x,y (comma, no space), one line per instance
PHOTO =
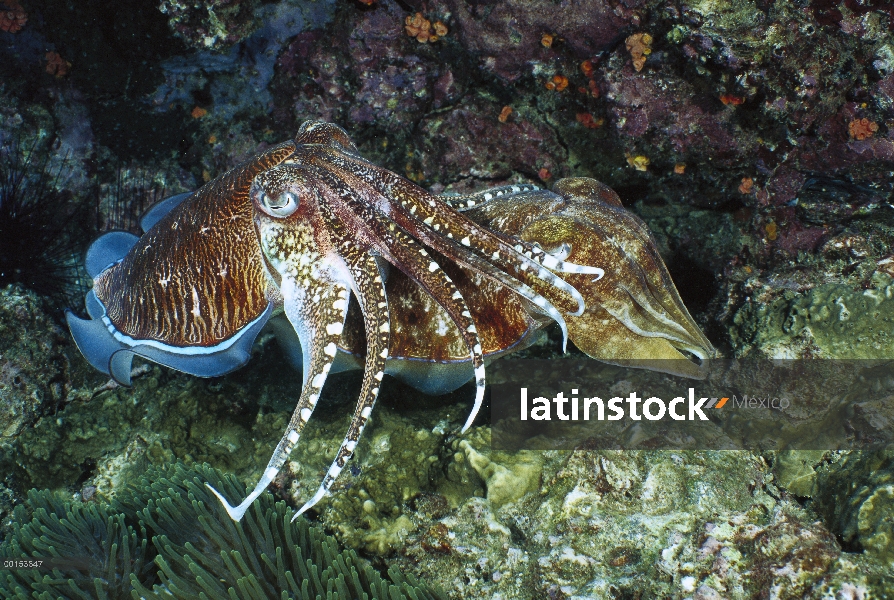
356,267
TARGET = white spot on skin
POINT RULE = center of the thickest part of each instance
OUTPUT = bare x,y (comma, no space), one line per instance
195,303
339,304
330,349
465,241
433,266
334,328
378,376
293,436
319,380
488,196
305,414
384,353
350,446
385,328
367,410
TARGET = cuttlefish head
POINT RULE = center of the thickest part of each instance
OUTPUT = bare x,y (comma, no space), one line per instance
285,210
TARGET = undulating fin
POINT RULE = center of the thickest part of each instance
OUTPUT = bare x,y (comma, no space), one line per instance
160,209
107,250
111,352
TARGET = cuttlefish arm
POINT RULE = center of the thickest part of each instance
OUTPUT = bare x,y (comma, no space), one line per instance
370,290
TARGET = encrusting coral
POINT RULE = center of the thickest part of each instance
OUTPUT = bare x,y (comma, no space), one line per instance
165,538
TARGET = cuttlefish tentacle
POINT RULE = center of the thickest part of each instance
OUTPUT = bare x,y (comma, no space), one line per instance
370,292
400,249
463,202
419,265
416,210
315,298
322,344
364,217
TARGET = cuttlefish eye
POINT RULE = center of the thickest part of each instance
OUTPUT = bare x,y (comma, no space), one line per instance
282,205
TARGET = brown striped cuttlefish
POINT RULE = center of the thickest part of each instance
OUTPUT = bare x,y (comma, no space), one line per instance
356,267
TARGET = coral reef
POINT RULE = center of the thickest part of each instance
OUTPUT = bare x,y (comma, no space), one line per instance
34,364
211,25
753,137
855,494
12,16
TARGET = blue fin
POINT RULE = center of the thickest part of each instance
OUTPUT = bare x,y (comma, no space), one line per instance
160,209
111,352
108,249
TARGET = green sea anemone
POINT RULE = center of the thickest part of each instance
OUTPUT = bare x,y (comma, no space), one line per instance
165,537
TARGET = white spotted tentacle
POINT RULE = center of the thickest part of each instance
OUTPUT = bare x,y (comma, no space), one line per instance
478,199
417,211
419,265
370,291
318,316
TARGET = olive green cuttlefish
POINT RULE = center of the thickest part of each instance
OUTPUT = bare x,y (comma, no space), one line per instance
356,267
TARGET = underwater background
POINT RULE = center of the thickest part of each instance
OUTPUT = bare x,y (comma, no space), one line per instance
755,138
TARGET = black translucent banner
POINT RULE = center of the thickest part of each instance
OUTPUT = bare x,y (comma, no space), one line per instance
738,404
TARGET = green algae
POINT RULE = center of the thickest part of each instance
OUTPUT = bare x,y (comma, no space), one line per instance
855,494
830,320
